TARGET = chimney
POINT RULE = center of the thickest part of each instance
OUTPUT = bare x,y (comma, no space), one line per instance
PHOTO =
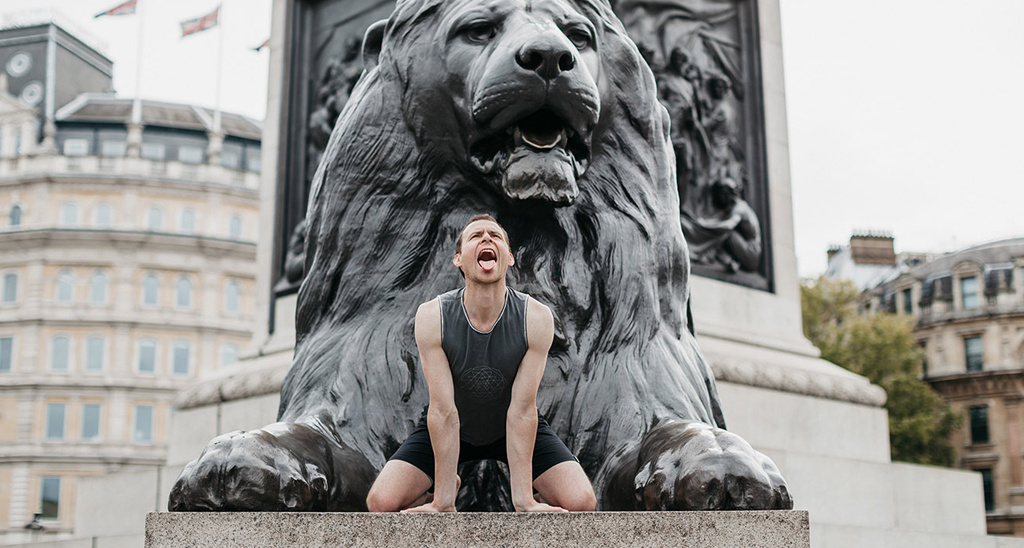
832,250
873,247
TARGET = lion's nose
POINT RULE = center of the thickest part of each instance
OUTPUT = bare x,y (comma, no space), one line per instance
548,55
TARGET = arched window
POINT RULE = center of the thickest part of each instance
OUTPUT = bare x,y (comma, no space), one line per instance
231,296
150,289
181,354
16,215
69,215
10,287
104,216
154,219
98,287
94,354
65,286
59,351
235,228
184,293
188,222
147,356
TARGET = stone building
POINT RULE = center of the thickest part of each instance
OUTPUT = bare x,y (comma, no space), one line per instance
127,270
970,324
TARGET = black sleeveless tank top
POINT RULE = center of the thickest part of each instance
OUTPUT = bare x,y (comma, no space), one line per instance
483,364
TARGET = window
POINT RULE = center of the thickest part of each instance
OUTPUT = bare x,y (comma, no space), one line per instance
150,289
190,155
17,143
76,147
986,484
184,297
143,424
180,362
153,151
979,424
94,354
49,498
154,219
235,228
231,294
98,287
16,216
188,222
228,354
973,353
59,354
90,421
65,286
112,149
6,347
10,287
55,421
147,356
103,217
69,215
908,301
231,159
252,160
969,292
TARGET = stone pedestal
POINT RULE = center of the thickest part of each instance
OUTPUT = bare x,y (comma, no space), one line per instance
641,529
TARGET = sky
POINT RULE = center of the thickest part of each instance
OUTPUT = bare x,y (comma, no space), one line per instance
175,69
905,116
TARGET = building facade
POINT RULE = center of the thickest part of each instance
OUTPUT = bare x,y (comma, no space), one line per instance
969,310
127,270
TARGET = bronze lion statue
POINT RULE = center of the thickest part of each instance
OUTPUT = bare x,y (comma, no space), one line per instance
544,114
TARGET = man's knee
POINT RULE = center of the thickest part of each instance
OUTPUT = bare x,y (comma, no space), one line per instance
380,500
580,500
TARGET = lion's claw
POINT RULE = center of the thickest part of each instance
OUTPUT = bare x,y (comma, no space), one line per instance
693,466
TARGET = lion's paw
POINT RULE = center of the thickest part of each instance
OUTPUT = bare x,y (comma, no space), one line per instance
694,466
282,467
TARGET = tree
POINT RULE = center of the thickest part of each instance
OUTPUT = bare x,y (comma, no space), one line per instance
882,348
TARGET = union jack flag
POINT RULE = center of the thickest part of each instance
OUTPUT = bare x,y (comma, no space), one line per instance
200,24
126,8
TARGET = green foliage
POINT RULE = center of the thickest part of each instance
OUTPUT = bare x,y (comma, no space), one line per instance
882,348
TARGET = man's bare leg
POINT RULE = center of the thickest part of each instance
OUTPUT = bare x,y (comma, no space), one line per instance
399,486
566,485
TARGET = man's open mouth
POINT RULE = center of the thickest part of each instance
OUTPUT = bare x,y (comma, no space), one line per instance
487,259
541,132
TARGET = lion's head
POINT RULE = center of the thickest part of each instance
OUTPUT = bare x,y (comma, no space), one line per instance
544,114
515,84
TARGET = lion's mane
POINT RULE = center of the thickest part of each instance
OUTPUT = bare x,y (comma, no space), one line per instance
389,200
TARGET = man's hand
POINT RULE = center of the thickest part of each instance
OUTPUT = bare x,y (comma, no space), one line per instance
430,508
535,506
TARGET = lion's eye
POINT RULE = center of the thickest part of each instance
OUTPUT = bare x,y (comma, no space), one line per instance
480,32
579,38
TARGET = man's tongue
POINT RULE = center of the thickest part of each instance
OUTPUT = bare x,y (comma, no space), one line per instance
487,260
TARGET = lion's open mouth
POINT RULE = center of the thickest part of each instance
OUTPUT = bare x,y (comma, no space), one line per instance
538,157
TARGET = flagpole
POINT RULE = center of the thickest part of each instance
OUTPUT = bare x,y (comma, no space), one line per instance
220,70
137,102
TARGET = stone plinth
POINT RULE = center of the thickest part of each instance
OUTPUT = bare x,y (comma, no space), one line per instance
776,529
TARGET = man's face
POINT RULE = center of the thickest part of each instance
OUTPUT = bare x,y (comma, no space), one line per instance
485,255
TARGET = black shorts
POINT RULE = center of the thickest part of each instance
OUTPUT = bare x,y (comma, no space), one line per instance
548,449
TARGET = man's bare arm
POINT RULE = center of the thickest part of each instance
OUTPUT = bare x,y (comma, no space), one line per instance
521,421
442,416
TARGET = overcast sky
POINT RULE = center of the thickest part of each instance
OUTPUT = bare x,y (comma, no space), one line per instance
904,115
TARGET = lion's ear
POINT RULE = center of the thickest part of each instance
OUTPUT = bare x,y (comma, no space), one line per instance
372,42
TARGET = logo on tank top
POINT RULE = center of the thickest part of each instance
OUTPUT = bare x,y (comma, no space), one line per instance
482,383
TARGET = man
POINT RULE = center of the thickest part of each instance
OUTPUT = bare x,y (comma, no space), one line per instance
483,349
